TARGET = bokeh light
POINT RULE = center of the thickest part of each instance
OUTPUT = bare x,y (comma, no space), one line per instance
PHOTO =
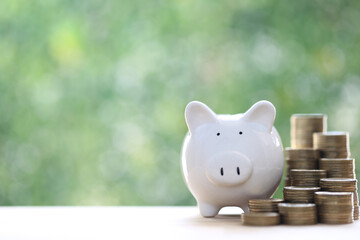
92,93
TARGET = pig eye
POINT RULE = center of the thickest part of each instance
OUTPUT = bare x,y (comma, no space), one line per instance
240,132
218,134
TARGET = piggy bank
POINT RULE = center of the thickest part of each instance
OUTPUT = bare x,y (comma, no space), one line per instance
229,159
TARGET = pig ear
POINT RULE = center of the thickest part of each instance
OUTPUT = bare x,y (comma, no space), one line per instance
262,112
197,113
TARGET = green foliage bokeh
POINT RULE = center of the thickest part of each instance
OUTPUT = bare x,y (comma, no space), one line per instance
92,93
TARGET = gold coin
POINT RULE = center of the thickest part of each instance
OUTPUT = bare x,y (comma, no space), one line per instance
338,184
300,194
298,213
338,167
332,144
356,212
335,207
306,177
264,205
301,164
260,219
302,153
303,126
333,198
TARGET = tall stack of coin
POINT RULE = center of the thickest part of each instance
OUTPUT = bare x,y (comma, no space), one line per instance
332,144
260,218
264,205
338,167
306,177
303,126
300,158
300,194
317,154
298,213
342,185
334,207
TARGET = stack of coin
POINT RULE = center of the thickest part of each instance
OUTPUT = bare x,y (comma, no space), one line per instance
287,181
356,211
306,177
298,213
338,184
300,158
342,185
334,207
338,167
261,219
303,126
300,194
332,144
264,205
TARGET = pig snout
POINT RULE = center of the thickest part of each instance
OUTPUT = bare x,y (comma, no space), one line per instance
229,169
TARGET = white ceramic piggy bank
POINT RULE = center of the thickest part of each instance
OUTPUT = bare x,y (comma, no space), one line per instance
229,159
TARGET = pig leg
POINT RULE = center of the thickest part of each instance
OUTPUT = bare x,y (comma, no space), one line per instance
245,208
208,210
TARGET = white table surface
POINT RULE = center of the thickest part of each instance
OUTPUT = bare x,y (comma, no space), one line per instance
150,223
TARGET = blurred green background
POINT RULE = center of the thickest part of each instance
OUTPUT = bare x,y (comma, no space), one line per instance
92,93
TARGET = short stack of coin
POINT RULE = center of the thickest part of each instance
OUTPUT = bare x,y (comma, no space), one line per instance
332,144
303,126
338,184
306,177
300,194
264,205
338,167
260,218
334,207
342,185
298,213
300,158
